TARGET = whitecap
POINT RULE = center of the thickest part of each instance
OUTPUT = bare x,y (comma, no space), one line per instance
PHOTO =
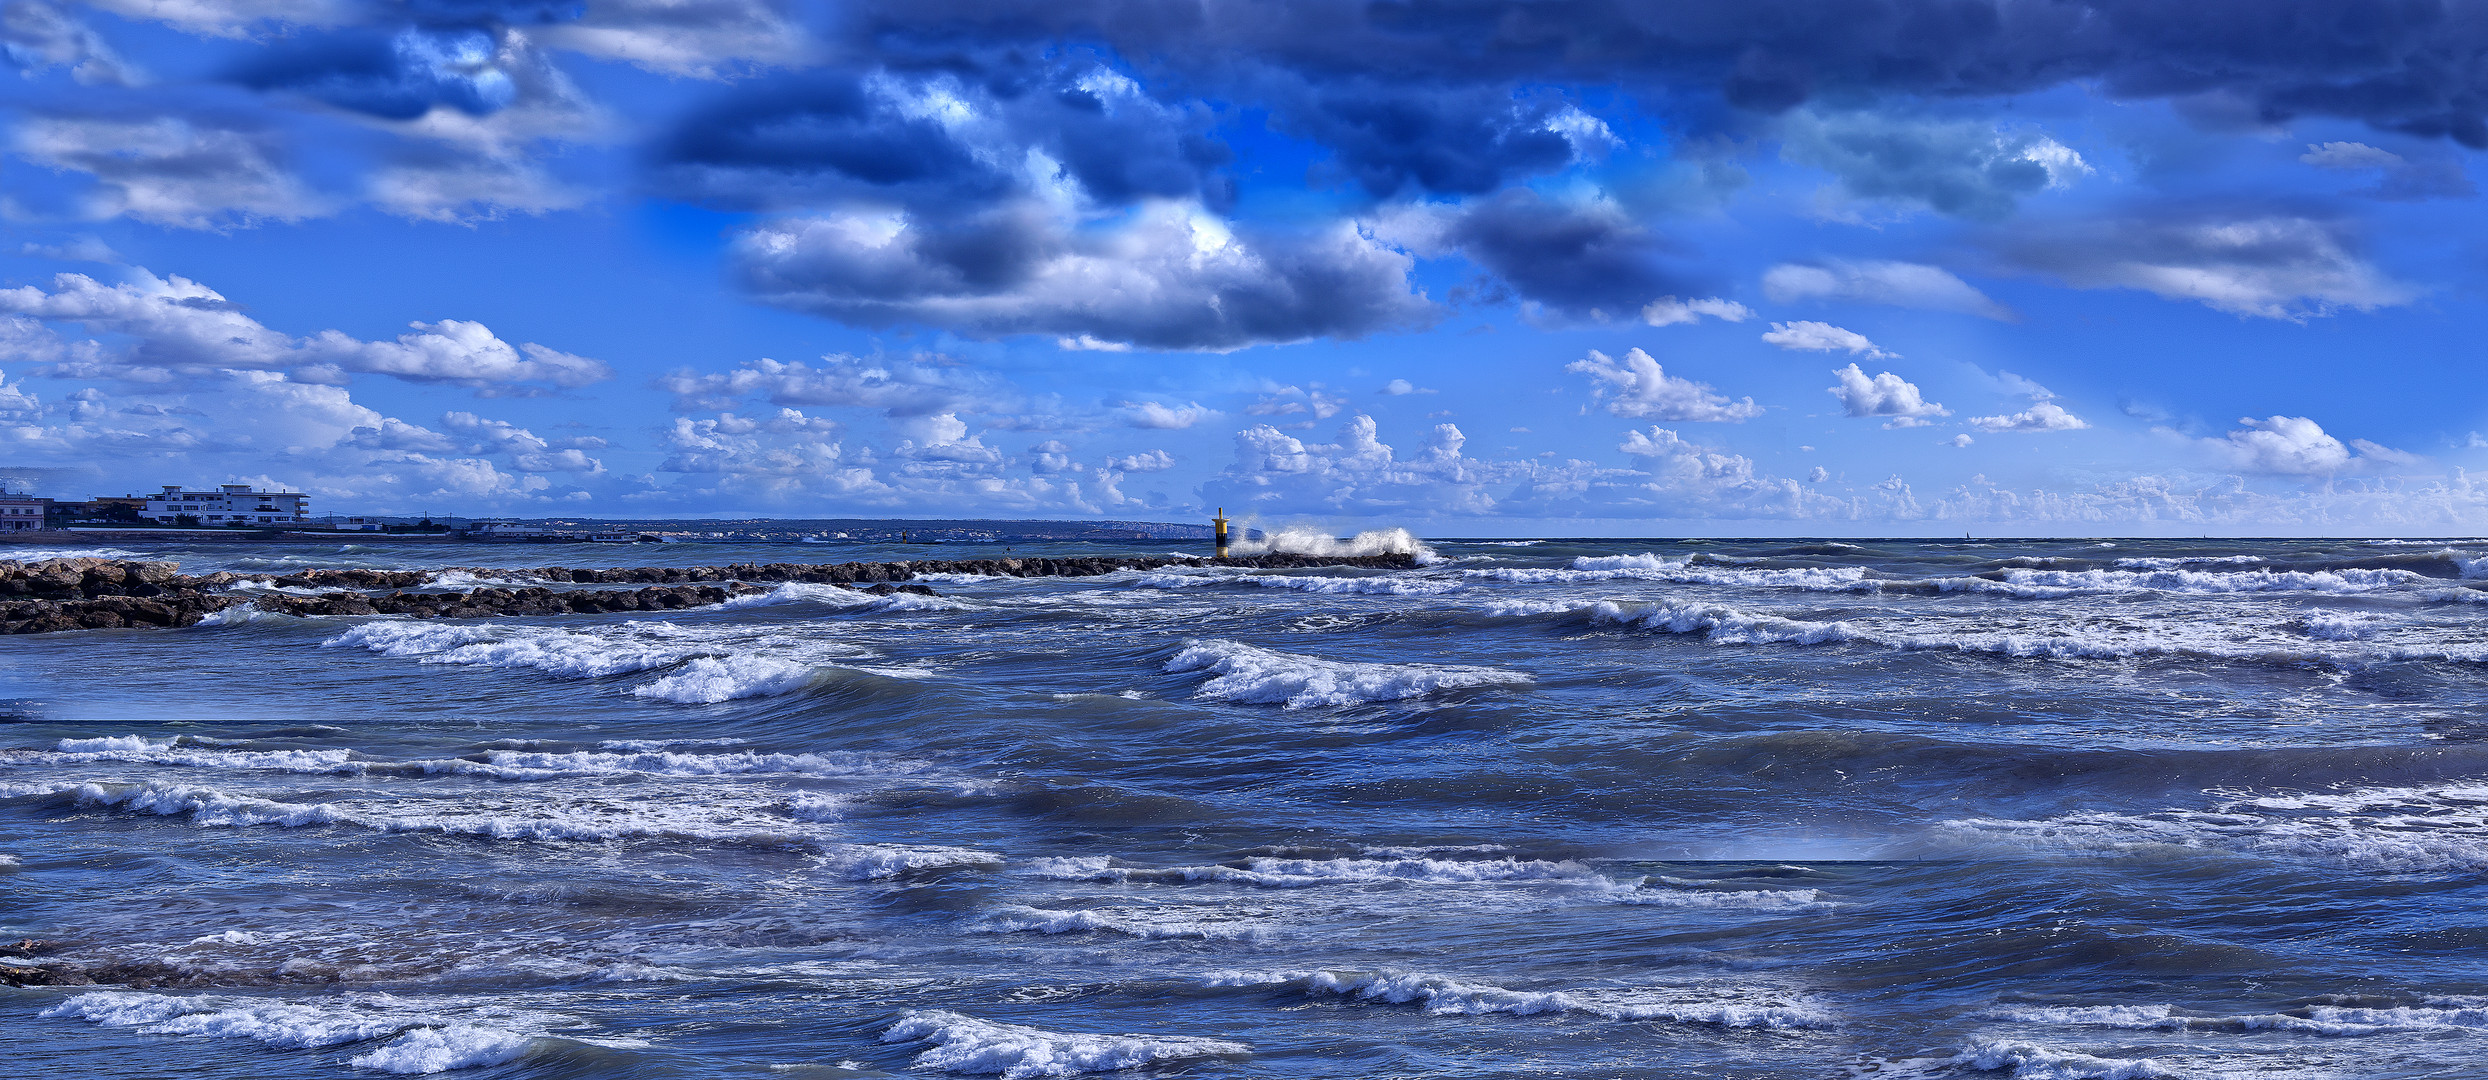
1271,872
2333,1020
1443,995
423,1036
711,679
2397,830
1153,923
2031,1061
1244,673
965,1044
872,862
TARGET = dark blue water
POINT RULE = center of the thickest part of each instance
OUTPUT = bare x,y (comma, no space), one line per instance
1558,808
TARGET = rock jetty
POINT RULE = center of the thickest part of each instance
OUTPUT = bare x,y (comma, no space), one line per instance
98,594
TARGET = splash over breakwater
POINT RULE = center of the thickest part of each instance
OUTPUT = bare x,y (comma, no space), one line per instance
1773,809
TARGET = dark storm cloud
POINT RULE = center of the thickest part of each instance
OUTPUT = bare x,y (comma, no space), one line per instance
1450,141
397,76
1579,259
942,141
811,141
2404,65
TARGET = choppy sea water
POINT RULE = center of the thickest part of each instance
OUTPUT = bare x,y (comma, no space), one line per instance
1549,808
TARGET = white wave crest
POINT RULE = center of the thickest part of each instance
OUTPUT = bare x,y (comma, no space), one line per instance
965,1044
698,665
2047,583
36,555
2052,639
1304,873
2192,560
2031,1061
706,680
468,579
1650,567
2395,830
1443,995
497,764
1243,673
1726,898
1374,585
2316,1019
1155,923
423,1037
248,615
556,652
531,818
872,862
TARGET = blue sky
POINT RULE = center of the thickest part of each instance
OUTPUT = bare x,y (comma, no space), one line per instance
1820,268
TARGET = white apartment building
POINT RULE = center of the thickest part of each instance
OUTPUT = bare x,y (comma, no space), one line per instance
21,512
231,504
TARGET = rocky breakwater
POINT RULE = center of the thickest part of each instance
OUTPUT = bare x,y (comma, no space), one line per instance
83,594
97,594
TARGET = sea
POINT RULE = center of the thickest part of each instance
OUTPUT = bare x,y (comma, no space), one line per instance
2046,810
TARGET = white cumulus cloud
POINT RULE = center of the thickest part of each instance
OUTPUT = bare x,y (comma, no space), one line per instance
1884,394
1670,311
1636,386
179,328
1813,336
2044,416
1152,415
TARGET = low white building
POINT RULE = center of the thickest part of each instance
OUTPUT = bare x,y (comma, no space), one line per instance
231,504
19,513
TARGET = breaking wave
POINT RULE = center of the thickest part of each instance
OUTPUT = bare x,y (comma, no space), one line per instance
495,764
965,1044
1244,673
1270,872
2397,830
1154,923
2336,1020
414,1035
2031,1061
2070,639
1442,995
700,666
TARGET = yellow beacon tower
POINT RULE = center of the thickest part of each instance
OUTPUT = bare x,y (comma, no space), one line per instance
1218,526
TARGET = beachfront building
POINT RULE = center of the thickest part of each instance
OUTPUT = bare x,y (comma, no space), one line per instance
19,513
231,504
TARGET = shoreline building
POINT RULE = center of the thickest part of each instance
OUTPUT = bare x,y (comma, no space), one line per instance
20,513
230,504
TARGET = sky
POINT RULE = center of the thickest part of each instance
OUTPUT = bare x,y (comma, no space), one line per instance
1573,267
